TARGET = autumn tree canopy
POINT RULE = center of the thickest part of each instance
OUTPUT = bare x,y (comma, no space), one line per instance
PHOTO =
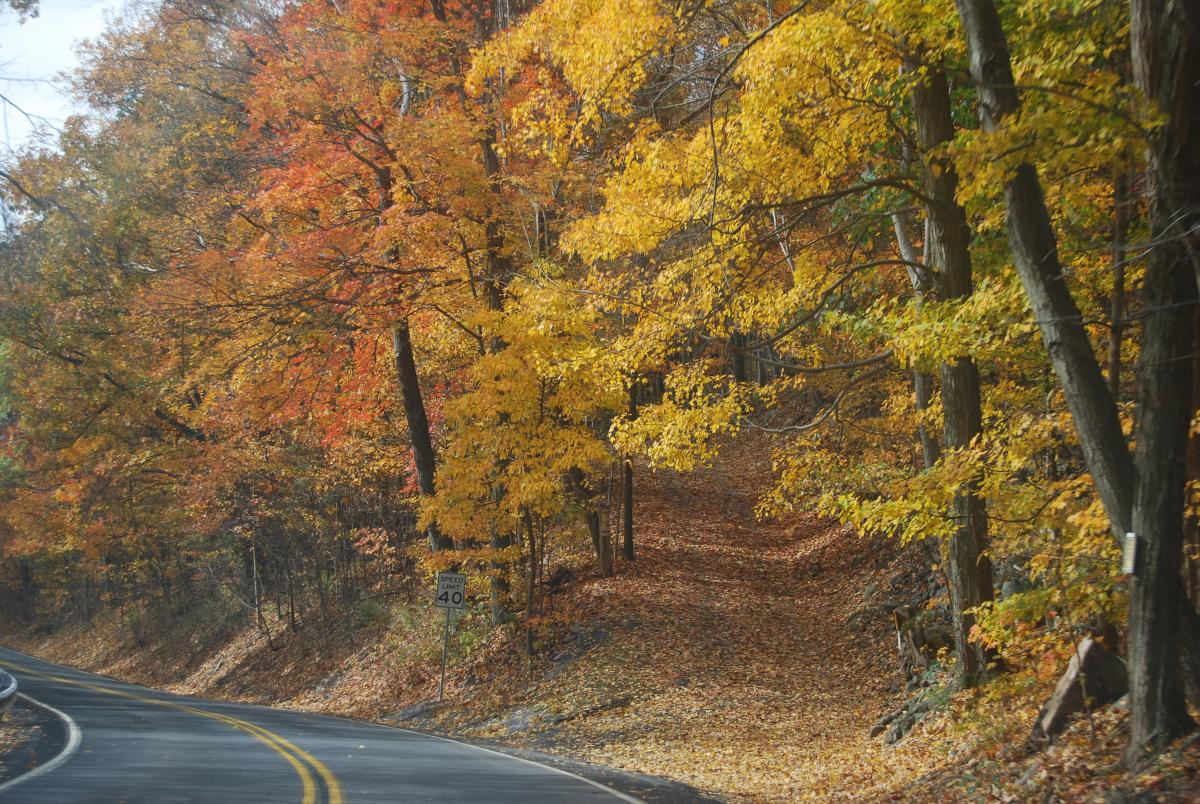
325,295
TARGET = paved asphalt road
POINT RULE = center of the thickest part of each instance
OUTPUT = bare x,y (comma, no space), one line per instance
140,745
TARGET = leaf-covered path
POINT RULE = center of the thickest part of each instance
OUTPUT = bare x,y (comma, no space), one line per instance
729,649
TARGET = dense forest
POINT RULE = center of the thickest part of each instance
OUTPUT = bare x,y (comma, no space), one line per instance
323,296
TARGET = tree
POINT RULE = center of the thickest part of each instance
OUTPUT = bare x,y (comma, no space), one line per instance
1145,492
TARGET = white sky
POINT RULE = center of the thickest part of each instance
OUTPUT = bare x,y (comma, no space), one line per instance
32,54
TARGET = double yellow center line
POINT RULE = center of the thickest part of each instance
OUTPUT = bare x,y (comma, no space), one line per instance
303,762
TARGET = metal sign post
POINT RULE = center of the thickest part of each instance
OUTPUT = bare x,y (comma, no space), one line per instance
451,595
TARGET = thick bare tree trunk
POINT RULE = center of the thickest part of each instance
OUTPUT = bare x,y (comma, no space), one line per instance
530,584
1157,710
737,356
418,425
1165,45
948,244
596,516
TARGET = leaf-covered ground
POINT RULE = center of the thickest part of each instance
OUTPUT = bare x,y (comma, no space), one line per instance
722,657
728,662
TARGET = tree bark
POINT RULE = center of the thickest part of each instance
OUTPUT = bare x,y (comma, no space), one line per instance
1165,45
497,274
530,584
602,540
1158,713
500,587
1191,525
1116,303
948,244
922,380
627,497
737,356
418,425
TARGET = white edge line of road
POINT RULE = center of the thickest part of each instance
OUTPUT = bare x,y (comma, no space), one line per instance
73,737
622,796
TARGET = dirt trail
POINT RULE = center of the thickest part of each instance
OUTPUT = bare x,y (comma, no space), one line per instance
729,640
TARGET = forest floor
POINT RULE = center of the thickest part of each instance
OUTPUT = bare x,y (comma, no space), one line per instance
747,659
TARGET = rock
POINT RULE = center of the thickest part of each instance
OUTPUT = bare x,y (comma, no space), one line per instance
917,643
921,705
559,579
902,720
1008,589
417,711
900,727
885,721
1094,677
1026,778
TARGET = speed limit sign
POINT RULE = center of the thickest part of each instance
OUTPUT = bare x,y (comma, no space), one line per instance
451,590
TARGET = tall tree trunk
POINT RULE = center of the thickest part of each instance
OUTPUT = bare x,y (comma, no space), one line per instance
602,540
1116,303
530,584
497,273
1191,525
931,450
1035,253
418,425
500,587
1154,652
627,496
1165,45
1157,709
596,516
922,380
949,237
737,356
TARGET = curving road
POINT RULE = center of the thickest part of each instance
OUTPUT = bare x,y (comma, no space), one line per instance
139,745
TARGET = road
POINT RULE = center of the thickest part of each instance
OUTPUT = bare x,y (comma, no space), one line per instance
141,745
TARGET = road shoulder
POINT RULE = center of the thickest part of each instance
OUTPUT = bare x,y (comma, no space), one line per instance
649,789
30,737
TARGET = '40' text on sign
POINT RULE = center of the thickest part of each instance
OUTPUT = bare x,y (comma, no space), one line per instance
451,590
